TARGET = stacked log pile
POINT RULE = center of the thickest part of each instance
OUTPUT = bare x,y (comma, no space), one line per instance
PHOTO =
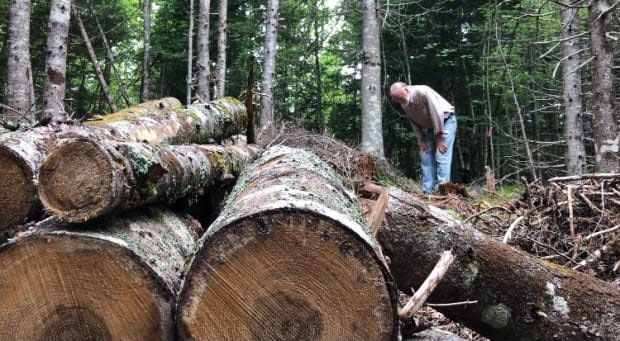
290,256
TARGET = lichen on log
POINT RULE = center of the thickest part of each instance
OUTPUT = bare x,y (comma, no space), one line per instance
110,280
166,121
162,121
519,297
85,178
20,157
289,258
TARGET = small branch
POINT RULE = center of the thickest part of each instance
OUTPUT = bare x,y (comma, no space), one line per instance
571,217
453,304
485,211
611,229
514,224
417,300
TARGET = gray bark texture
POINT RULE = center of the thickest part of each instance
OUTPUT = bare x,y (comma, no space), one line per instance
202,63
269,66
56,61
571,83
114,279
372,131
288,258
146,57
519,297
21,155
87,178
606,134
19,66
93,60
163,121
222,39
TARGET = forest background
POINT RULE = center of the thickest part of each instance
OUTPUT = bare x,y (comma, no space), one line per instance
506,65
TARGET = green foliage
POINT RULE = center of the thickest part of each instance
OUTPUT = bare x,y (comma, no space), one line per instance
493,60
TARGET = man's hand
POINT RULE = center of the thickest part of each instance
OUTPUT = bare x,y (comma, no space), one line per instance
422,146
439,145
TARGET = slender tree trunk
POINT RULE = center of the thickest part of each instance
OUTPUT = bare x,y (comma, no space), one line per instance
190,54
204,70
108,51
317,71
56,61
571,83
289,258
146,62
269,65
372,130
93,60
222,40
19,69
113,279
606,135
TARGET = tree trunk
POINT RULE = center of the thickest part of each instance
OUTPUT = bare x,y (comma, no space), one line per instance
571,83
190,55
606,135
163,121
20,157
93,60
108,51
519,297
269,66
56,61
146,58
19,69
204,73
222,31
372,131
110,280
85,179
289,258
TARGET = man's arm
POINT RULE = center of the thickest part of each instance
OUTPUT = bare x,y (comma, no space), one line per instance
419,135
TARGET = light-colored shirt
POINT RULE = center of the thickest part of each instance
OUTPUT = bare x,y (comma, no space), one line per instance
426,109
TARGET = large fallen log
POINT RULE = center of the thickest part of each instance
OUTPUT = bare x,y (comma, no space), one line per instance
156,122
166,121
86,178
20,157
110,280
519,297
289,258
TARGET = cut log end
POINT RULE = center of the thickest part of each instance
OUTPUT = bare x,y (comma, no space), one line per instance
72,287
18,198
77,181
279,276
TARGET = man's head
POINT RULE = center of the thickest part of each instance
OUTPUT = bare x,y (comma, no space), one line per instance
399,92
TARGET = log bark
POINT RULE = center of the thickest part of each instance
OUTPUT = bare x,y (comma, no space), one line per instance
20,157
289,258
519,296
110,280
162,121
86,178
166,121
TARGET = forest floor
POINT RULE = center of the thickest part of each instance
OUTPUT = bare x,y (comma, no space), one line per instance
571,221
